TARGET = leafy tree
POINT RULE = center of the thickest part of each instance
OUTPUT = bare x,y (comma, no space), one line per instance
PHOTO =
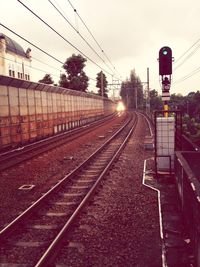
105,83
132,92
177,101
76,78
155,100
46,79
63,81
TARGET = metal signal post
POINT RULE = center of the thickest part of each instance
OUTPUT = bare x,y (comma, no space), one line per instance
165,71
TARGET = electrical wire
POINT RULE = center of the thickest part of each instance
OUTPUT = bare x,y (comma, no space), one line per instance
30,67
79,34
187,76
41,50
45,63
75,10
31,43
187,51
63,37
190,55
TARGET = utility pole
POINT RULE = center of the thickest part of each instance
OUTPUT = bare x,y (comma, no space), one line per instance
136,94
148,93
102,84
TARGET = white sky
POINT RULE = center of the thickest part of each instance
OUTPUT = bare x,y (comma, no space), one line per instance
130,32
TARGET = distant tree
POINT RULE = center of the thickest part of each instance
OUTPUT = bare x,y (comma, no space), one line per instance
155,100
177,101
105,83
76,78
132,92
46,79
63,81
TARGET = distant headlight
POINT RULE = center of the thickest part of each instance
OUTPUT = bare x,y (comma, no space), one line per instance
120,107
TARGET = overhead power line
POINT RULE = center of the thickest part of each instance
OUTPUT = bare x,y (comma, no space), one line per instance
31,67
187,51
188,75
75,10
63,37
40,49
188,56
79,34
32,44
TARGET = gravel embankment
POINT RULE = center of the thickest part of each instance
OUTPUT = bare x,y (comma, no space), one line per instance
45,171
120,227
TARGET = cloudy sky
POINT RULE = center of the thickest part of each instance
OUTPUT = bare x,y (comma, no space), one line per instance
130,32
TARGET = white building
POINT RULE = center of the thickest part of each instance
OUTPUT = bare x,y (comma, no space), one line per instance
14,61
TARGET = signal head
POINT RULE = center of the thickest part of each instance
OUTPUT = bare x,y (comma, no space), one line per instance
165,61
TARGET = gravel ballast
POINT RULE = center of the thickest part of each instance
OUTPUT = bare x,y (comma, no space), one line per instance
120,227
45,170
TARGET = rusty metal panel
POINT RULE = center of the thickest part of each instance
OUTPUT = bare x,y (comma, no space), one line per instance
5,130
22,93
15,119
44,109
32,118
24,118
39,132
32,126
4,110
31,101
25,136
3,90
6,140
31,110
39,117
23,110
45,116
54,102
31,94
16,139
14,100
24,127
3,100
38,109
33,134
14,111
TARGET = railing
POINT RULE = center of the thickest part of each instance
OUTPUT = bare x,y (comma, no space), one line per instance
188,145
187,175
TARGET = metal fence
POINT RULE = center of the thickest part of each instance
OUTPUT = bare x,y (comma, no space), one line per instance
187,175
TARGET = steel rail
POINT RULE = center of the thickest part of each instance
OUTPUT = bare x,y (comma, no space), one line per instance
44,260
45,145
15,223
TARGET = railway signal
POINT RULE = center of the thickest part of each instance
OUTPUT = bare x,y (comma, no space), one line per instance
165,71
165,61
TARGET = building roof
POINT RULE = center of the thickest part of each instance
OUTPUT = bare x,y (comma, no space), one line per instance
13,46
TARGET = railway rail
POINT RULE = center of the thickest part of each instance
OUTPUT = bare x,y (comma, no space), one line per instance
34,237
27,152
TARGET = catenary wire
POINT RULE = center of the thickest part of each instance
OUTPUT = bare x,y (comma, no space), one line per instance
31,67
184,60
41,50
187,51
63,37
79,34
75,10
187,76
31,43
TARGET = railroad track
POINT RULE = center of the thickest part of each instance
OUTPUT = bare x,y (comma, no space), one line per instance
14,157
35,236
